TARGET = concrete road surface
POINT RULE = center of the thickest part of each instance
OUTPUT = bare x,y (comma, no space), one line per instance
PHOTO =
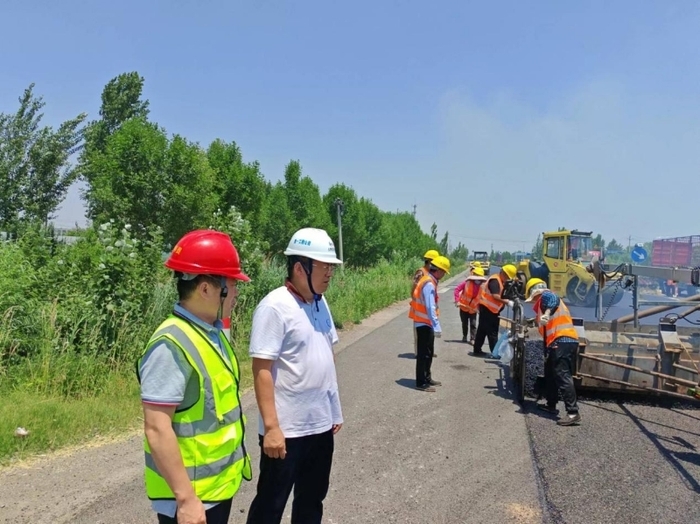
464,454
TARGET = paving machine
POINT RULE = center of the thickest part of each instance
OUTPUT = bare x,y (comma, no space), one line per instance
621,355
565,254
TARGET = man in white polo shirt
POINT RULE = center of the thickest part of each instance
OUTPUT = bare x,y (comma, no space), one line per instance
296,388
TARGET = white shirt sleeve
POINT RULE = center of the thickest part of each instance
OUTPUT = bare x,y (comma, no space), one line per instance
267,333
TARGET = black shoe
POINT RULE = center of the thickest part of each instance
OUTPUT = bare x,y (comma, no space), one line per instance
434,355
464,338
435,382
428,388
570,419
549,409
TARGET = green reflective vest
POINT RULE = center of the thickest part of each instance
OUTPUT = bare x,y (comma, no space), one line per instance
211,432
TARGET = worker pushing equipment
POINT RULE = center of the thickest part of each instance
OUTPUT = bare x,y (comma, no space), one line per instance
560,344
491,303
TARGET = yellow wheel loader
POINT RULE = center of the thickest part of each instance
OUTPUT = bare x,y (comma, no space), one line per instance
565,257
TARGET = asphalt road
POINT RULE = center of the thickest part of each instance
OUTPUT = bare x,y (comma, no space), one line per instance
464,454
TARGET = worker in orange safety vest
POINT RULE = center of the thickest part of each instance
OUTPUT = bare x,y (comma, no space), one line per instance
420,273
425,315
466,296
490,305
556,326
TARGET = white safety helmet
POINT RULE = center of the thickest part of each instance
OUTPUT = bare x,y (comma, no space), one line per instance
314,244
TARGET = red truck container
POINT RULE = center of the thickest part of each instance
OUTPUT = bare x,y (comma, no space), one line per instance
676,252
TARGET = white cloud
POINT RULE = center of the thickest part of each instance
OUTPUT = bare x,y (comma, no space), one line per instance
603,158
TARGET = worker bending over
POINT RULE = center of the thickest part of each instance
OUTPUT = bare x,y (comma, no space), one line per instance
425,314
420,273
560,343
490,305
466,297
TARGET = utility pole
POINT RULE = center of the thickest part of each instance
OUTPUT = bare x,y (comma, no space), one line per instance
629,244
414,211
339,206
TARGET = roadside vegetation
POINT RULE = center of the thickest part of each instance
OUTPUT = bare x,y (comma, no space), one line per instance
76,309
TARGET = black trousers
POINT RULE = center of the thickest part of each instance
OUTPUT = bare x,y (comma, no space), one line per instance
217,515
488,328
426,350
558,375
468,321
307,468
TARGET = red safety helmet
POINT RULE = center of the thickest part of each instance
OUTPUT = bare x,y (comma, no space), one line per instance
206,252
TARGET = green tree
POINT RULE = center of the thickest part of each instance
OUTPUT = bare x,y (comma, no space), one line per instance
445,243
460,253
237,183
129,176
278,224
121,101
304,199
433,231
614,247
189,198
35,172
143,179
598,242
538,248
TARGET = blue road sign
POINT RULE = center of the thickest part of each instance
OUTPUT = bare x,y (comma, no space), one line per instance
639,254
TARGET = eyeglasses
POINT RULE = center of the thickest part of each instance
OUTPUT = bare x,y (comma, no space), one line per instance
326,268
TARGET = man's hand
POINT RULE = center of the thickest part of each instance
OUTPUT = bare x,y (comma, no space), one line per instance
336,428
191,511
438,334
544,319
510,304
456,304
274,444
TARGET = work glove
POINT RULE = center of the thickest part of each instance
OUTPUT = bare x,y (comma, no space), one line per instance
456,304
510,304
438,334
544,319
530,322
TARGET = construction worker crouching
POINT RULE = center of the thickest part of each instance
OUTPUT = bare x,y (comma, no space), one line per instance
420,273
466,297
490,305
425,314
193,422
560,342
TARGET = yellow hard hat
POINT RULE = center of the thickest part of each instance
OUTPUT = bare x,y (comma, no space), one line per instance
431,254
478,271
510,270
534,288
441,262
475,263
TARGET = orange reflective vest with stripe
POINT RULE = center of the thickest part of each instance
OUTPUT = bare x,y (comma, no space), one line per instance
469,299
487,299
418,310
560,324
417,276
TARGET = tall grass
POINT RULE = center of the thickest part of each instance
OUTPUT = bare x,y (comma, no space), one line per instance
73,386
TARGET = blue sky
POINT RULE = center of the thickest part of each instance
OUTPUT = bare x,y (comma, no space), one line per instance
499,120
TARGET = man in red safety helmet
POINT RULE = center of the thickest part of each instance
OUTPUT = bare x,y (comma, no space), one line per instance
194,427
